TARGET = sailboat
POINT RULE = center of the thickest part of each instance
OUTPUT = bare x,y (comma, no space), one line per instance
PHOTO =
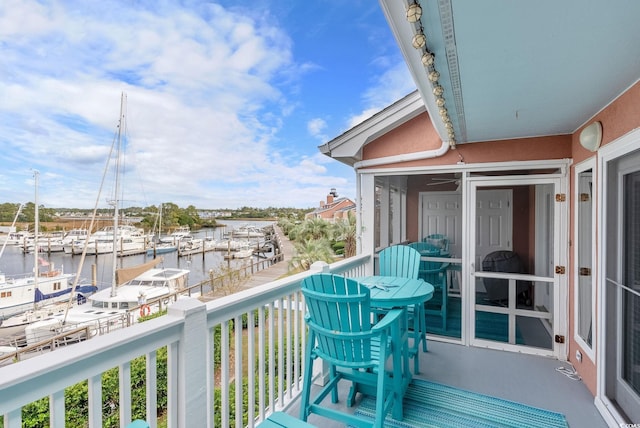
161,246
29,291
134,292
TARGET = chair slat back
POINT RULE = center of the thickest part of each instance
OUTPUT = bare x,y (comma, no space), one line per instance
399,260
339,318
439,240
426,248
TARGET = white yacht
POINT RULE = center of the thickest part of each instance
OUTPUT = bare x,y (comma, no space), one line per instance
180,234
129,239
74,238
19,293
118,306
247,231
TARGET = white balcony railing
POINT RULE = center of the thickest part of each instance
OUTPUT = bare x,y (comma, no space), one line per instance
201,372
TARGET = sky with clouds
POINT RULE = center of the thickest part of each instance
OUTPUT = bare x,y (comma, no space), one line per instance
227,101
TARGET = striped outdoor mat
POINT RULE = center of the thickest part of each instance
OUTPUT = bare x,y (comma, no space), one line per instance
428,404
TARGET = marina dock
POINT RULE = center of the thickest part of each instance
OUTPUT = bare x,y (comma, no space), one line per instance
278,267
259,270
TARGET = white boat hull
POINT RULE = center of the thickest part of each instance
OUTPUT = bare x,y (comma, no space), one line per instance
19,294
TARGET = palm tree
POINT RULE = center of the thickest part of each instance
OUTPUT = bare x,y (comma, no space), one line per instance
312,229
310,251
345,230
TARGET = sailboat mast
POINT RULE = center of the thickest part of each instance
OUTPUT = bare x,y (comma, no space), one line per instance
36,250
114,284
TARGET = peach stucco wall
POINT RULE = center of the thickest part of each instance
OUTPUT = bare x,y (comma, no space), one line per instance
619,118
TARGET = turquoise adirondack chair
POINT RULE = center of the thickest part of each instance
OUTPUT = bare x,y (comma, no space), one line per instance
426,248
399,260
342,334
138,423
404,261
435,273
439,240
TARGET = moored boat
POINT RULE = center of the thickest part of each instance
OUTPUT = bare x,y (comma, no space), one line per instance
161,248
19,293
138,291
180,234
247,231
128,239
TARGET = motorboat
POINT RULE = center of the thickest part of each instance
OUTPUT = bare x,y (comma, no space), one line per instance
229,245
128,239
48,309
136,294
48,243
180,234
74,237
18,238
19,293
247,231
243,253
161,248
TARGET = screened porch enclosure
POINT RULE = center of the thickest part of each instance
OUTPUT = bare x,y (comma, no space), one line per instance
499,238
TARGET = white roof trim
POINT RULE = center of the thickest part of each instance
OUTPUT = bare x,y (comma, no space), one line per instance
347,148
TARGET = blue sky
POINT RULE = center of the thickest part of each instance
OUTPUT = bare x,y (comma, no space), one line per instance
227,101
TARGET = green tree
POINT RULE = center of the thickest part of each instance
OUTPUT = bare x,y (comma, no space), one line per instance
345,231
310,251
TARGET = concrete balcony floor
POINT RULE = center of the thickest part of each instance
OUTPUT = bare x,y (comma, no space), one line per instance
526,379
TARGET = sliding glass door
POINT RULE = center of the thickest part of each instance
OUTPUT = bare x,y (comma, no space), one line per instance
622,285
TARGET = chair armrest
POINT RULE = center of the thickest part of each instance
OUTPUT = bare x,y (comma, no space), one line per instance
391,317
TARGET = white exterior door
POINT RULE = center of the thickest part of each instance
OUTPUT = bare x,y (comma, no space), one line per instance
441,212
494,222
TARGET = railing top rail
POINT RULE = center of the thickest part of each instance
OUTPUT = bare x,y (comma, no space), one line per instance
236,304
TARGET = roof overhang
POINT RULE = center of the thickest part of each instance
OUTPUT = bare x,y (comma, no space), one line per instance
520,69
347,148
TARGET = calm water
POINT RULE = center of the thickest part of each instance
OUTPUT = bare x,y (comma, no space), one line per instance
15,262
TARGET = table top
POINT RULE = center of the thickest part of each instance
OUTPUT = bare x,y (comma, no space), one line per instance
392,291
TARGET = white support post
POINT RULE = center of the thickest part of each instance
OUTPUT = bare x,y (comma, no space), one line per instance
191,362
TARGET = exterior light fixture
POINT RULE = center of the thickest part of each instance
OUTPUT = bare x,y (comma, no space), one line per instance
427,59
414,12
591,136
434,76
419,40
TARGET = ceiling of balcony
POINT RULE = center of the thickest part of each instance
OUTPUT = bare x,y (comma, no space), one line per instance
513,69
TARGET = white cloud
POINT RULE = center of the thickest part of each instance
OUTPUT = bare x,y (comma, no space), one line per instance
316,128
209,90
391,85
